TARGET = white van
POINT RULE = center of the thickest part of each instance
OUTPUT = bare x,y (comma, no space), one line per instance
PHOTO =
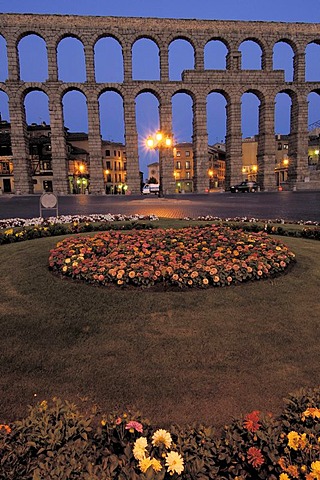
151,188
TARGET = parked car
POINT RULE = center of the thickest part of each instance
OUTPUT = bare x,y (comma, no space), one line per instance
151,188
245,186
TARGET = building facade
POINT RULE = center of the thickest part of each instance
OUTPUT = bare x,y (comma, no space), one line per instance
78,165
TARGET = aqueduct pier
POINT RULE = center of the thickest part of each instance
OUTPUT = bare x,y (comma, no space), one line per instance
232,83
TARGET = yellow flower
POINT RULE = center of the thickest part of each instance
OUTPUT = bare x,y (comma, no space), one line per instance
156,465
303,442
174,462
284,476
315,470
44,405
205,281
9,232
144,464
65,268
311,412
67,260
293,440
161,437
139,448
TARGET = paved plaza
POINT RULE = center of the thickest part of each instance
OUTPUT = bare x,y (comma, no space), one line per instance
293,206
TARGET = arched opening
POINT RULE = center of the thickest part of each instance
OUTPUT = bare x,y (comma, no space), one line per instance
283,59
216,129
182,126
147,121
3,60
313,62
181,57
71,60
4,107
145,60
33,59
251,55
6,163
215,55
36,105
250,129
283,105
37,108
314,131
75,116
108,61
113,148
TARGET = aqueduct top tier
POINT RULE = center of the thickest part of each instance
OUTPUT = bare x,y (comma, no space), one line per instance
232,82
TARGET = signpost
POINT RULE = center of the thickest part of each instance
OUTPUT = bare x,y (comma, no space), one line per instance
48,201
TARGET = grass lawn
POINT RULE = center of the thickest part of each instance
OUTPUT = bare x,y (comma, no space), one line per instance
177,356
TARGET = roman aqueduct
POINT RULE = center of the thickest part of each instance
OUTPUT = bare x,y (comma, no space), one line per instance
198,83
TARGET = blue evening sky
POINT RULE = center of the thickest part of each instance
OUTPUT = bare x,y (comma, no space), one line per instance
33,64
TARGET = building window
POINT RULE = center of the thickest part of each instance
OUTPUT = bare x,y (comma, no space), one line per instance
107,153
109,178
187,153
279,146
188,175
114,153
125,166
187,165
108,164
285,146
178,154
178,165
119,155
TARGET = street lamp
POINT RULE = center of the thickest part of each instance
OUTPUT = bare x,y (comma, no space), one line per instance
160,141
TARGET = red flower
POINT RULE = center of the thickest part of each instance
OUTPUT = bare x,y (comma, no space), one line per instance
255,457
251,421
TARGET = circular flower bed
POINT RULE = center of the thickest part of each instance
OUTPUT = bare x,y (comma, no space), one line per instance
188,257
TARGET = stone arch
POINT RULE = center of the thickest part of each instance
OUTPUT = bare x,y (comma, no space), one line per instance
312,60
33,67
111,100
75,107
176,47
147,117
281,59
283,103
69,63
180,112
145,45
217,101
216,44
109,65
252,61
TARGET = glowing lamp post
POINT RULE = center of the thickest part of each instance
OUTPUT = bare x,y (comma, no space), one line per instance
160,141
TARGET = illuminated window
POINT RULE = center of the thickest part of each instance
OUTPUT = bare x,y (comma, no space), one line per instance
187,153
188,165
178,154
178,165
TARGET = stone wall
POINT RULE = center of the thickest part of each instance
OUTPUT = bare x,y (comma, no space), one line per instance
231,82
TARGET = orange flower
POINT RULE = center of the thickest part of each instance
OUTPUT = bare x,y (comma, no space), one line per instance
6,428
255,457
251,421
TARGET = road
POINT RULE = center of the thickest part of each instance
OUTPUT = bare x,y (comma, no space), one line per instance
264,205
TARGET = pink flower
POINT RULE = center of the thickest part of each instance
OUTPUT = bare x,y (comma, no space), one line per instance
135,426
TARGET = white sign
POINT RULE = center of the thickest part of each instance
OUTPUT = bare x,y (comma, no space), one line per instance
48,200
